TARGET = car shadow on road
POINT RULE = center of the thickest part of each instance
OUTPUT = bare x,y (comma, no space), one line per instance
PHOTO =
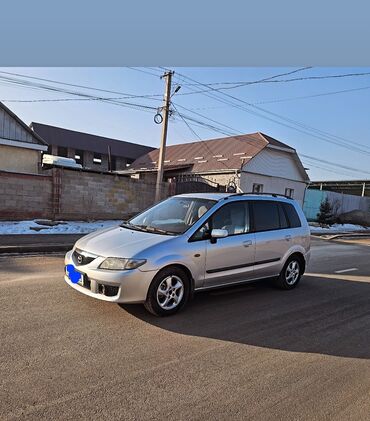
322,315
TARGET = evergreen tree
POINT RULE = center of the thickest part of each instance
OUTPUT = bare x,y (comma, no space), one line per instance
326,215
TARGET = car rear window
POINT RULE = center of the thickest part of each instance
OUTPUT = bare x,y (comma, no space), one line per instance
292,215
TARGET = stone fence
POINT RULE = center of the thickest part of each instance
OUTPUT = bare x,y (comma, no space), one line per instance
73,195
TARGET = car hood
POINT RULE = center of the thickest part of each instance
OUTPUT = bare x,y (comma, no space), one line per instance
119,242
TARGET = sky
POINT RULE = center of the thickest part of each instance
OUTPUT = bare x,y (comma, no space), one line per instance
316,126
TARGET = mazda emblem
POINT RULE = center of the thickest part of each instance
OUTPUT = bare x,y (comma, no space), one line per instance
79,259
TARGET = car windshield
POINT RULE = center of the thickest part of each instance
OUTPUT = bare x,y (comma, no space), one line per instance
173,216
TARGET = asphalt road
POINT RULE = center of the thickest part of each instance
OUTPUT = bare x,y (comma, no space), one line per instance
250,352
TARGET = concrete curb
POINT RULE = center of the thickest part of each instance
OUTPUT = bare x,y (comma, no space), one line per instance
333,235
36,248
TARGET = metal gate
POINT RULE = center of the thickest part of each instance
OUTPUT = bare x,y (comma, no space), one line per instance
196,184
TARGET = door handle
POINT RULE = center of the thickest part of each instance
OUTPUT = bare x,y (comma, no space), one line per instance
288,237
247,243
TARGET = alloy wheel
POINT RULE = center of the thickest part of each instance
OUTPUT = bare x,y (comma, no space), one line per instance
292,272
170,292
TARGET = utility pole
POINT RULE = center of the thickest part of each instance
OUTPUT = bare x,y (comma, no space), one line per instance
162,150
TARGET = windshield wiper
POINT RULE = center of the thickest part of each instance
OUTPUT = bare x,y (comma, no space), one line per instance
133,227
148,228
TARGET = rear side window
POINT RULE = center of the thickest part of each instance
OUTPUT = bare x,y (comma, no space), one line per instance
266,216
284,223
292,215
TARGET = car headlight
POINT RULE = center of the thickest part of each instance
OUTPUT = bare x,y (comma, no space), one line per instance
117,263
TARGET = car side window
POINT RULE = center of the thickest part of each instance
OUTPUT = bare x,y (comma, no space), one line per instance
232,217
266,215
284,223
293,218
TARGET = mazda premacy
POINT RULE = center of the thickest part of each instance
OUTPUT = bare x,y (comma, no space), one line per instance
192,242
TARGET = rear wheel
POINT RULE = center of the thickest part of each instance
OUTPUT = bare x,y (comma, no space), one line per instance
168,292
290,274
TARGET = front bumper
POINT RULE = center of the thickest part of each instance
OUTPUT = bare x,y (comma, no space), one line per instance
129,286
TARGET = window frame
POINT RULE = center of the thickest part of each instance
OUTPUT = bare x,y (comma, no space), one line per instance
97,156
259,191
292,192
65,149
80,153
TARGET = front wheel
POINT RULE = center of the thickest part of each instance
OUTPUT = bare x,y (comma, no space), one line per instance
168,292
290,274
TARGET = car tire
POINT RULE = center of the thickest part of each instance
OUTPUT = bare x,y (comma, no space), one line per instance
168,292
291,273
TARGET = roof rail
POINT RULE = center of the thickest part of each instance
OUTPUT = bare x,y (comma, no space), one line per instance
260,194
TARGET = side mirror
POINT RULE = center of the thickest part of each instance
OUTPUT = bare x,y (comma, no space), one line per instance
217,233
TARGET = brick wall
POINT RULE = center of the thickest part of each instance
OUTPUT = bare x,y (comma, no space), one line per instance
25,196
102,195
73,195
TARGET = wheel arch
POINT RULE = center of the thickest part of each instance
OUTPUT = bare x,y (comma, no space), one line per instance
300,256
183,268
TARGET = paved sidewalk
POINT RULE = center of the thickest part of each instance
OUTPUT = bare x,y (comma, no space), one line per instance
38,243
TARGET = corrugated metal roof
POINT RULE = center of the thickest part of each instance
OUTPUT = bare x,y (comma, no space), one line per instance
88,142
35,136
223,154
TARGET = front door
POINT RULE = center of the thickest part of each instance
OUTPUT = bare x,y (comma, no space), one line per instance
230,259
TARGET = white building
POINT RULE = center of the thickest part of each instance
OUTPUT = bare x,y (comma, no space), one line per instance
275,169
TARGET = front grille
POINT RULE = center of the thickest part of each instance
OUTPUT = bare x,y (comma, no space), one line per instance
81,259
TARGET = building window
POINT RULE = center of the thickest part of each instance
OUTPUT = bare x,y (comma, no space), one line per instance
257,188
97,158
289,192
79,157
62,151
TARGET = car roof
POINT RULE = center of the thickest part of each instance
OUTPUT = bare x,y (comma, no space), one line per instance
249,196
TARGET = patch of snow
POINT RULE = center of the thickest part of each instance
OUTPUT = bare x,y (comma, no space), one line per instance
66,227
337,228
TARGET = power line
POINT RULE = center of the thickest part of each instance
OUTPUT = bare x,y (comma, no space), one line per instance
341,172
303,128
335,165
81,95
311,96
343,167
210,119
205,144
143,71
126,95
187,124
79,99
272,80
301,69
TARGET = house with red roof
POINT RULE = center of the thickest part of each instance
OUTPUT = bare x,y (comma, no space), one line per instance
252,162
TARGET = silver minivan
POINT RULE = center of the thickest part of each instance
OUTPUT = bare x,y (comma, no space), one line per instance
192,242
